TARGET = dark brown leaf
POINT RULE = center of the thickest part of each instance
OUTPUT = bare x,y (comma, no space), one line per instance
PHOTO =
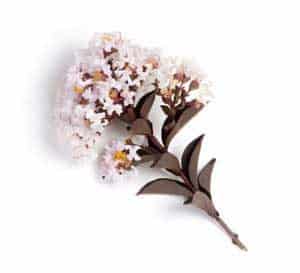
144,105
169,162
146,158
146,150
166,186
141,127
202,201
129,115
189,160
204,178
185,116
167,126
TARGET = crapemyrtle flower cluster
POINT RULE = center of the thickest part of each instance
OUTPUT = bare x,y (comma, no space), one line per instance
100,86
180,81
105,80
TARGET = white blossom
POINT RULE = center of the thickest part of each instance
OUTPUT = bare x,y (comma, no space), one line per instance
116,162
112,107
128,97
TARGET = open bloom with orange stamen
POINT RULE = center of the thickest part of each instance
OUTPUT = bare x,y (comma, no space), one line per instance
117,161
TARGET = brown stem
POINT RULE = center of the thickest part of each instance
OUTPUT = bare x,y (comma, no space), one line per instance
156,142
233,236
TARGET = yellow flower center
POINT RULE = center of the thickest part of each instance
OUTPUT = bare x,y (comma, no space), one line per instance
77,89
98,76
120,155
113,94
106,38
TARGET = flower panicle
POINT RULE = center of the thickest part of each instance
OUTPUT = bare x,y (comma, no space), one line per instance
105,81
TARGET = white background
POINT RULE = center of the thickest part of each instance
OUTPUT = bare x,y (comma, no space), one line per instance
56,217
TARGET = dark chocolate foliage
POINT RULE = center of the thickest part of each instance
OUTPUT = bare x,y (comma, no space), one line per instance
166,186
202,201
167,126
146,154
144,105
189,160
187,114
169,162
129,115
146,150
141,127
204,178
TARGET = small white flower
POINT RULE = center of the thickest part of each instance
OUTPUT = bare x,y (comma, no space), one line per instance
112,107
100,64
117,160
98,121
132,155
90,95
203,94
93,117
128,97
103,93
115,84
99,125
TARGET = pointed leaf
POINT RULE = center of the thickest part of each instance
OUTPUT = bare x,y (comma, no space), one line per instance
166,186
144,105
169,162
141,127
167,126
202,201
204,178
189,159
184,117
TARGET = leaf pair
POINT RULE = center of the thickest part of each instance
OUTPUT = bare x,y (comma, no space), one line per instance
166,186
189,163
202,181
174,187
